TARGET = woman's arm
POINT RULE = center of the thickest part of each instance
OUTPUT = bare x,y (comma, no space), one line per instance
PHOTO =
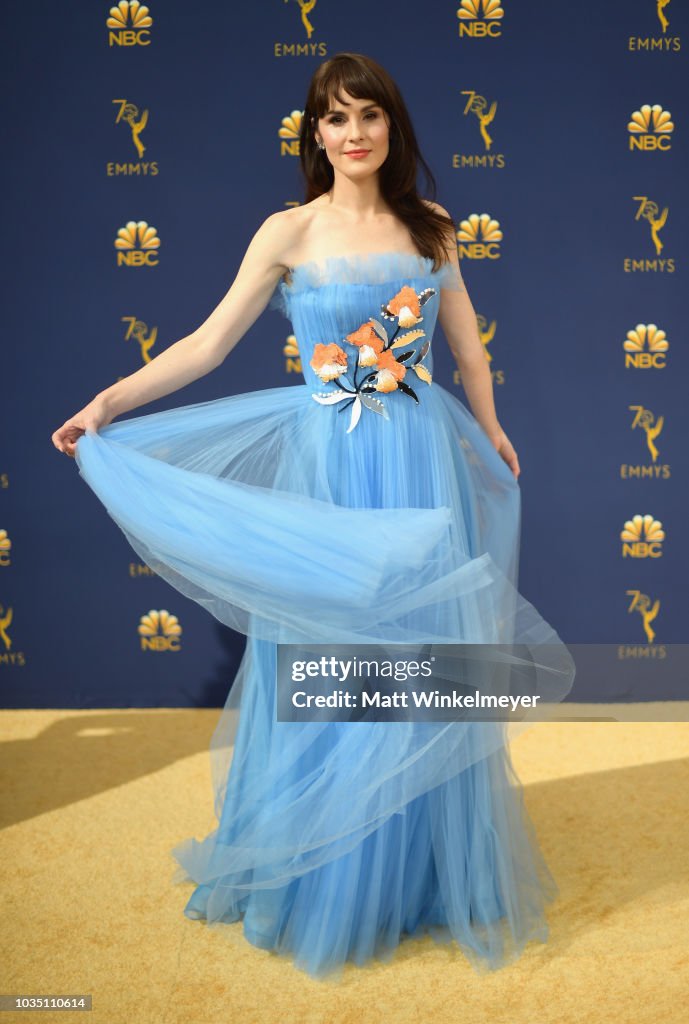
205,348
457,318
202,350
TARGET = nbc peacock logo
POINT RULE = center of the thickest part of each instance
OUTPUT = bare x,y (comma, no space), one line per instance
159,631
137,245
479,237
480,19
288,133
645,348
5,546
642,537
290,351
650,128
128,24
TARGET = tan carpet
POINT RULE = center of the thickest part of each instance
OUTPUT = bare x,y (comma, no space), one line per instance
93,801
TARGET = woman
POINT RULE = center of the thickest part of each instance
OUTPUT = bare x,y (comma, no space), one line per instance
365,505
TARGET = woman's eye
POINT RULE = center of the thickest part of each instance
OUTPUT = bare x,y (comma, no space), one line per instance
338,117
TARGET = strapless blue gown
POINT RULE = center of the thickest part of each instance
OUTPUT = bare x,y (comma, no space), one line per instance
365,504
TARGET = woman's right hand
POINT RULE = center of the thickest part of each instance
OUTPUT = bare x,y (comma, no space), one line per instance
505,450
92,417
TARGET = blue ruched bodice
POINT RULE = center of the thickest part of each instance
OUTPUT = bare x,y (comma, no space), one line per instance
364,326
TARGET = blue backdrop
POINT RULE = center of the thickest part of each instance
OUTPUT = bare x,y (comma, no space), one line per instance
558,138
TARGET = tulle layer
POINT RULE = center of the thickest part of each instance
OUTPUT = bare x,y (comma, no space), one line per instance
263,555
455,859
265,511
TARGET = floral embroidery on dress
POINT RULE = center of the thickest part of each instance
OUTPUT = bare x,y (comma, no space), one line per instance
389,356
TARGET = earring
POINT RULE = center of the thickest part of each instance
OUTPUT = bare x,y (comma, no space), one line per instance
321,146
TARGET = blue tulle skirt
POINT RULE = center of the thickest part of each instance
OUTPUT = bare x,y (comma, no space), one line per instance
336,839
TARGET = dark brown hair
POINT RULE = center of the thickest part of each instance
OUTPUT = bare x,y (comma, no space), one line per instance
364,78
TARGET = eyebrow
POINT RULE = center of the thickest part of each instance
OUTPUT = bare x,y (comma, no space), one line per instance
367,107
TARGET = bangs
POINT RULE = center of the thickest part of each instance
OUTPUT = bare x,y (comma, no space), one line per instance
350,78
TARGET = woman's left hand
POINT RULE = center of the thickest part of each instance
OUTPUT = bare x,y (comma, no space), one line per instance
503,447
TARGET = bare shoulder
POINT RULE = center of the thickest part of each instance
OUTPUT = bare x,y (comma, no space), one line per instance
284,231
451,230
275,236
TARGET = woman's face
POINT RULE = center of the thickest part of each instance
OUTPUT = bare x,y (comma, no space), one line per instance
354,125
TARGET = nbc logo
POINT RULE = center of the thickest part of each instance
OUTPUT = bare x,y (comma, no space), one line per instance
128,24
645,347
479,19
137,245
290,351
650,128
642,537
5,545
478,237
289,133
159,631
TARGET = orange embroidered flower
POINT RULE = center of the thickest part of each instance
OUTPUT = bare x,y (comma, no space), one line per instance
406,307
368,342
375,344
329,361
389,372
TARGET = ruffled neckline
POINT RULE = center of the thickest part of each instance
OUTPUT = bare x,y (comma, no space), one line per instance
355,268
389,266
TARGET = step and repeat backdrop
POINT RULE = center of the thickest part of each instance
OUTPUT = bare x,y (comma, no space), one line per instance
144,146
